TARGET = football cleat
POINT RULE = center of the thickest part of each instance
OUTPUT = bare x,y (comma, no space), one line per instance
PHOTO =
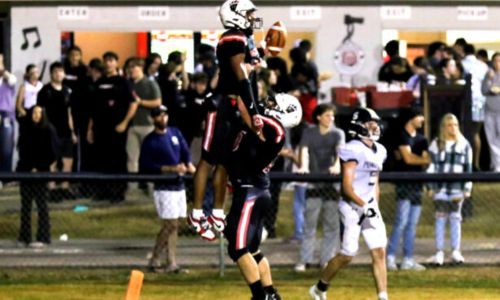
316,294
202,227
217,221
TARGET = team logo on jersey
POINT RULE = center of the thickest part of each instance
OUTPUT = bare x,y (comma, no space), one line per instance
175,140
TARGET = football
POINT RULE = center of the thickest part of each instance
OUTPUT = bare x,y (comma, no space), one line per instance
276,38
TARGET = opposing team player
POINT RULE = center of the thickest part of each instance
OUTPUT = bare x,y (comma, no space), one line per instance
362,160
249,163
235,107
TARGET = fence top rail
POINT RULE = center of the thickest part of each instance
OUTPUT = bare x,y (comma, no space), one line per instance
395,177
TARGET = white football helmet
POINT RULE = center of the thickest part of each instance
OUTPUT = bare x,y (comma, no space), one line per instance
233,14
287,110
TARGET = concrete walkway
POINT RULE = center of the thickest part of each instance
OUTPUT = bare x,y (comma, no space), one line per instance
197,253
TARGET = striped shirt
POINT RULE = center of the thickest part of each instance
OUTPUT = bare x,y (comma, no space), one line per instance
456,158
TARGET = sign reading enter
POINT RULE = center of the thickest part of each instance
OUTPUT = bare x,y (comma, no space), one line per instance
73,12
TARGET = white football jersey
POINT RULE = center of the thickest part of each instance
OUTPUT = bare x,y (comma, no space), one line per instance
369,164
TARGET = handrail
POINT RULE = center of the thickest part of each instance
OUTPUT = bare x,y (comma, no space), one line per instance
396,177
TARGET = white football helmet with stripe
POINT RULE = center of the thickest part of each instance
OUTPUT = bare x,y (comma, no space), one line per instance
287,110
234,14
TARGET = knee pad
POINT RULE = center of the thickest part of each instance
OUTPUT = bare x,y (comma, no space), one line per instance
258,257
236,254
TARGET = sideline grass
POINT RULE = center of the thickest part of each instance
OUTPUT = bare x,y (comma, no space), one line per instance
137,218
456,283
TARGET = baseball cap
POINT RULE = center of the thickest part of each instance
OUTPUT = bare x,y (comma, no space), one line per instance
155,112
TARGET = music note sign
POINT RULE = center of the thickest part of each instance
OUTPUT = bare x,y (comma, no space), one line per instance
31,31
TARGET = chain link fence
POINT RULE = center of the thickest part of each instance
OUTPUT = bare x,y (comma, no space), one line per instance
111,220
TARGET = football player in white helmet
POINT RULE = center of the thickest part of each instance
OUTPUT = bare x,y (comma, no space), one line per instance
239,14
362,159
248,166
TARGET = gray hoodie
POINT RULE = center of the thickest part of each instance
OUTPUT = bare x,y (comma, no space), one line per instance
492,100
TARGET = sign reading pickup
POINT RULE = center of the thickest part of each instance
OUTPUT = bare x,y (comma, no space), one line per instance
472,13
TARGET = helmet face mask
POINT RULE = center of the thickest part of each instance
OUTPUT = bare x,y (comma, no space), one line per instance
285,108
365,124
239,14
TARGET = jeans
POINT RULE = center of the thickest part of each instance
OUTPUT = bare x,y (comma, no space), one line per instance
331,230
6,141
452,211
299,207
405,224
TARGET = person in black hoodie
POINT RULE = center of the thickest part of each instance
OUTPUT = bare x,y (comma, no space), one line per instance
38,144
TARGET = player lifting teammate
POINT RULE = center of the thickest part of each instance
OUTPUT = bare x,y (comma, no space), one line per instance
362,160
235,106
247,166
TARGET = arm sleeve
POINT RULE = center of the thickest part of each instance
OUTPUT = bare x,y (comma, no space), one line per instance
232,45
128,91
384,153
468,167
401,140
155,89
273,131
347,154
486,86
246,94
41,97
341,138
305,139
433,153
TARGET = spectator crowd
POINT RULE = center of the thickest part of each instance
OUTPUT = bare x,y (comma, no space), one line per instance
95,118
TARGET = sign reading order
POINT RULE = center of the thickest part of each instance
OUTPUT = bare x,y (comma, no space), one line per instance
153,13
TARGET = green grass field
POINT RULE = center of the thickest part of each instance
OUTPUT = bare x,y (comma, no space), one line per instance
454,283
137,218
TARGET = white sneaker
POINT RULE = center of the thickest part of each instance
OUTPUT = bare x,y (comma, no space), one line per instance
411,264
300,267
37,245
316,294
391,263
439,258
457,257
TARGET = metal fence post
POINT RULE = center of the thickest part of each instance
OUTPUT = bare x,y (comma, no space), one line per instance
222,266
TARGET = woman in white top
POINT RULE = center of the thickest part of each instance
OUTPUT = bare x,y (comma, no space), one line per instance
28,91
